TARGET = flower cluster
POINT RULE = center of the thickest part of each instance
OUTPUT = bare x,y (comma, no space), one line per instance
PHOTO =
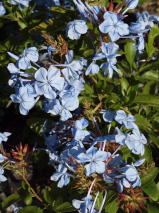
93,158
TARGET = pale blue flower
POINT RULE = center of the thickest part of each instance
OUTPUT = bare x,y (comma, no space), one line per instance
139,142
109,51
48,81
108,115
75,28
49,49
128,120
25,99
62,175
84,205
120,137
137,27
109,67
92,69
2,177
24,59
114,26
2,158
2,9
21,3
146,18
4,136
78,132
72,67
131,174
96,158
131,4
62,107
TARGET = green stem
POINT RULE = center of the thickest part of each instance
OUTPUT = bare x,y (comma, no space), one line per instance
32,190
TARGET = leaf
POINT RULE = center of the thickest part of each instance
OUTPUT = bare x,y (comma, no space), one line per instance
57,201
149,87
28,199
153,208
141,121
147,154
152,191
150,49
149,176
155,140
65,207
46,196
30,209
88,89
130,53
124,84
150,75
60,9
36,124
11,199
111,203
149,66
150,100
112,207
88,52
51,25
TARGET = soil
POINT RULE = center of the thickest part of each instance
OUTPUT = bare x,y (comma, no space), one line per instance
152,7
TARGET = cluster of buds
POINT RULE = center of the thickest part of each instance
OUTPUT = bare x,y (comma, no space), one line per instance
132,200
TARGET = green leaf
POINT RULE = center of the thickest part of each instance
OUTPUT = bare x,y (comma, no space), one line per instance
147,154
141,121
155,140
88,89
149,87
149,176
150,100
28,199
149,66
153,208
31,209
36,124
65,207
150,75
88,52
11,199
111,205
152,191
124,85
130,53
57,201
46,196
150,45
60,9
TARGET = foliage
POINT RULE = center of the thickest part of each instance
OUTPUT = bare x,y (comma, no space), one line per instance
85,118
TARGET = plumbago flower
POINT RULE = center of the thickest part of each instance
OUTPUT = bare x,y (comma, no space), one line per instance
21,3
127,120
78,132
75,28
62,107
48,81
96,158
24,59
25,98
2,9
114,26
4,136
62,175
2,177
72,68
